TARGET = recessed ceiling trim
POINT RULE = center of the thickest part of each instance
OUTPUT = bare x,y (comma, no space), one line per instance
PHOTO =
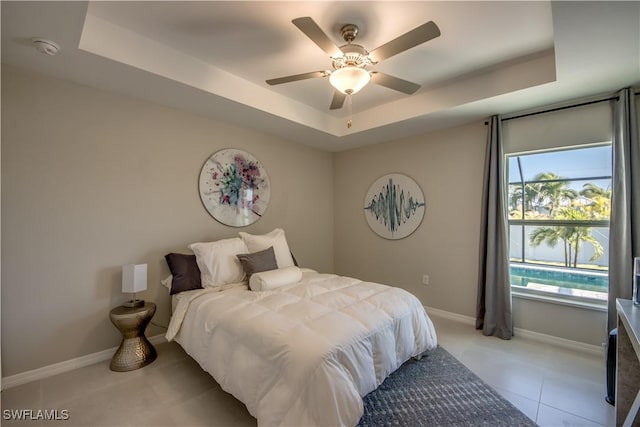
125,46
110,41
595,51
528,72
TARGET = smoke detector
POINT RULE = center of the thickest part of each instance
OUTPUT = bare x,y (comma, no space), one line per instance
46,46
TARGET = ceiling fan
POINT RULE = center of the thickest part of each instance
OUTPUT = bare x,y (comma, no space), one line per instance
350,61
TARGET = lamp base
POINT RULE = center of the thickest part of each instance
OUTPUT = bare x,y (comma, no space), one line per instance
134,303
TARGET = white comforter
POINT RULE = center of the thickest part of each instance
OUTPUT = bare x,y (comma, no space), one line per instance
304,354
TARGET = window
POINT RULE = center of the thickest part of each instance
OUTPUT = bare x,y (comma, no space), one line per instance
559,204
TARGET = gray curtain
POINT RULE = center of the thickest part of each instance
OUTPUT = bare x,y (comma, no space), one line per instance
493,309
624,232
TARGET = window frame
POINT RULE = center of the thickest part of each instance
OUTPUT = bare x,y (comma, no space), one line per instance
582,301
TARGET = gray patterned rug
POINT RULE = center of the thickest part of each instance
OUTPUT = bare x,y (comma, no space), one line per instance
438,391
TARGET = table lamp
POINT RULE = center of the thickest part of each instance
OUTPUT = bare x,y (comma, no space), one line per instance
134,279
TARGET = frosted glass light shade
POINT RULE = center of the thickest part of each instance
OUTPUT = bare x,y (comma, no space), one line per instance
134,278
349,80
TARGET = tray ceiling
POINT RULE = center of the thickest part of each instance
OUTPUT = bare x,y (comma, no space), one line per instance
214,58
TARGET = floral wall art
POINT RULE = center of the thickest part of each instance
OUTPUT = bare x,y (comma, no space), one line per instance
234,187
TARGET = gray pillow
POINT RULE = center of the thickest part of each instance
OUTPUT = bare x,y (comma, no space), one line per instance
185,272
258,261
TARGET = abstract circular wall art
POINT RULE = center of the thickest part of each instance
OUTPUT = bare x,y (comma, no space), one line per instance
394,206
234,187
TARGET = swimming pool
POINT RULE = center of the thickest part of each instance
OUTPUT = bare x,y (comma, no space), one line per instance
522,275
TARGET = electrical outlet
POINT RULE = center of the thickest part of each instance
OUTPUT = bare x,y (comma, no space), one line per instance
425,279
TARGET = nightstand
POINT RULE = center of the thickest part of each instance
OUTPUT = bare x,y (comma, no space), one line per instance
135,351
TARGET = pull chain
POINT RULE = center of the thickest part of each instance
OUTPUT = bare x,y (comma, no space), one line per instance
350,107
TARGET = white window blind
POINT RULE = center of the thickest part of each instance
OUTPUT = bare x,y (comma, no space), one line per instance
583,125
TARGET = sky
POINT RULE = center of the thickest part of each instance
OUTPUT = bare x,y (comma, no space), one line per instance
575,163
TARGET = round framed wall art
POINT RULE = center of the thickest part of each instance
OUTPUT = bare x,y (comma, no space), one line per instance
234,187
394,206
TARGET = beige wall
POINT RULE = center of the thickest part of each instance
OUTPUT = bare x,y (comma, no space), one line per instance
92,181
448,166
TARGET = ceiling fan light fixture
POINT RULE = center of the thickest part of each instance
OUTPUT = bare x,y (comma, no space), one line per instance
351,60
349,80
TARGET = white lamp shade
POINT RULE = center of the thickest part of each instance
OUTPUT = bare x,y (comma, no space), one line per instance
349,80
134,278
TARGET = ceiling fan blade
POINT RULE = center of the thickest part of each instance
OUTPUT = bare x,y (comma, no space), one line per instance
296,77
418,35
394,83
309,27
338,100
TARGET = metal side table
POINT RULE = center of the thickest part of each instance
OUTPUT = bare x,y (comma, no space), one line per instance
135,350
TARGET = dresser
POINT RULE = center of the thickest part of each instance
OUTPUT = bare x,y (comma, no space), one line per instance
628,364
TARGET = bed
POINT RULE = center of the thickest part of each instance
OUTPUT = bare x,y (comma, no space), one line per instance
304,352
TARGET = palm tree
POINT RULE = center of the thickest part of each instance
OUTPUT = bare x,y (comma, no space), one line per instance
578,235
590,190
551,235
598,200
572,236
516,200
582,235
552,192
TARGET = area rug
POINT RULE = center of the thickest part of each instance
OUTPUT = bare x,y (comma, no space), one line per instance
438,390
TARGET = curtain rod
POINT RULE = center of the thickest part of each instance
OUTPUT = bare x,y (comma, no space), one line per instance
564,107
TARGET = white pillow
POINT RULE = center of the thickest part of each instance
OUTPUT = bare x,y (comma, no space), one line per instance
166,282
272,279
218,262
277,239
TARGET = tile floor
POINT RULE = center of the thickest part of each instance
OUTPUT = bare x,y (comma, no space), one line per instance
553,386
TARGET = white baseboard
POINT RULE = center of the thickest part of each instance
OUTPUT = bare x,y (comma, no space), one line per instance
451,316
67,365
560,342
90,359
525,333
